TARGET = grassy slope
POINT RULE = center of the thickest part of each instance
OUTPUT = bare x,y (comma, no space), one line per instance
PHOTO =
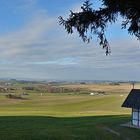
60,117
63,105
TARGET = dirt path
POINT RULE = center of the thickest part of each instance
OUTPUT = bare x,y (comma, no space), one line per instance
115,132
111,131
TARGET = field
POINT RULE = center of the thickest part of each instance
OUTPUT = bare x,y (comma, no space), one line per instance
53,116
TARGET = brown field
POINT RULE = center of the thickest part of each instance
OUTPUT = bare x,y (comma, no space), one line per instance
108,88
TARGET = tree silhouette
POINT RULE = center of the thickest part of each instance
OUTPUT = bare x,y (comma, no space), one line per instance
90,22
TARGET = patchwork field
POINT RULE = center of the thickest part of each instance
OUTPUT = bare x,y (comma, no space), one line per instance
109,88
56,116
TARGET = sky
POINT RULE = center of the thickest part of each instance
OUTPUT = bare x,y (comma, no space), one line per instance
34,46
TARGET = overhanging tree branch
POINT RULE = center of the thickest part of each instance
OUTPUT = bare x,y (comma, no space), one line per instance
91,22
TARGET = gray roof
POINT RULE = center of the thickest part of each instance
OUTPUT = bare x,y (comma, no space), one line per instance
133,99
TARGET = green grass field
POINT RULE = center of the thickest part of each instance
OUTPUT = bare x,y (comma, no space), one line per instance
63,116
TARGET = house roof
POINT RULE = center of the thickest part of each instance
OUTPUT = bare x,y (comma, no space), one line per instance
133,99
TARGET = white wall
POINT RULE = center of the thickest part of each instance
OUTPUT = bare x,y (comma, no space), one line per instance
136,117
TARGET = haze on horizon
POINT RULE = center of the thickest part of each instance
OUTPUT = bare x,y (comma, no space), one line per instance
33,45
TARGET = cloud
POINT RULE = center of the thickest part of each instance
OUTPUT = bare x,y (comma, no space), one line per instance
15,43
63,61
42,49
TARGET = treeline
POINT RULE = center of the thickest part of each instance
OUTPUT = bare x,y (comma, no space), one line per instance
42,89
53,89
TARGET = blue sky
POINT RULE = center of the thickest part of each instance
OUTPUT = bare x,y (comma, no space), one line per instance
34,46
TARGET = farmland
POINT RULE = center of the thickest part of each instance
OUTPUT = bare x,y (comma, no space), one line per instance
71,115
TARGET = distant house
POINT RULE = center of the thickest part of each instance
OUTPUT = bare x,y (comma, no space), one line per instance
133,101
